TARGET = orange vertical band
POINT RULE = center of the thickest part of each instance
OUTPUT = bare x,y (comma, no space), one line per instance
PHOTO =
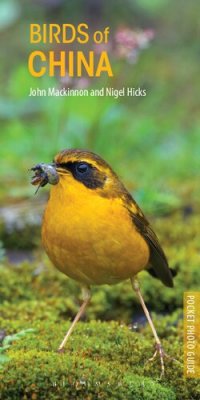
192,334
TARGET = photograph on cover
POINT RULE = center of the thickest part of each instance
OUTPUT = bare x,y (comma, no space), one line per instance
99,200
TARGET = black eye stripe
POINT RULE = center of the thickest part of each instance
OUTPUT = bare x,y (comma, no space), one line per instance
86,173
70,164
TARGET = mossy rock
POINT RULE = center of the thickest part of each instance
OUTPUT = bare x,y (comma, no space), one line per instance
70,378
19,226
101,360
75,379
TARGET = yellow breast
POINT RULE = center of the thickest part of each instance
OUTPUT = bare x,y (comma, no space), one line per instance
91,238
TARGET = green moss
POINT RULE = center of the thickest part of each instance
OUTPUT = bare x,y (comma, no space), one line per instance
77,379
101,360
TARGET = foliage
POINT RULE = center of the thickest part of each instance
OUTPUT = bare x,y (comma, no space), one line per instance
7,341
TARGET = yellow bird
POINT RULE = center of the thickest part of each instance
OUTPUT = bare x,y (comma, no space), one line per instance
94,232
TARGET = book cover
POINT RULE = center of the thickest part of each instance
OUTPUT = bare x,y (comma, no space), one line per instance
99,107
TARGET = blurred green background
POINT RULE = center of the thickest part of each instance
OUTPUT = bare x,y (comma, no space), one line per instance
152,142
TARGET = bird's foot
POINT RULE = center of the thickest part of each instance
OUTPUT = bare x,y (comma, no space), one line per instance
60,350
161,353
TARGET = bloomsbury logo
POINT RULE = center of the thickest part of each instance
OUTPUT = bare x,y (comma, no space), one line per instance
74,63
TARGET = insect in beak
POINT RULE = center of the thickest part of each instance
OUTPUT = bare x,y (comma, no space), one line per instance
44,173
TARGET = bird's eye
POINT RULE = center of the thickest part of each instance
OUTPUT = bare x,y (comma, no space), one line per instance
82,168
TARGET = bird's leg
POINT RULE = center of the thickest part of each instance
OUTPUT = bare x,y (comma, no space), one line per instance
86,298
159,349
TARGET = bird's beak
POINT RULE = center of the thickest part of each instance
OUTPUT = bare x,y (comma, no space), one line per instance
43,174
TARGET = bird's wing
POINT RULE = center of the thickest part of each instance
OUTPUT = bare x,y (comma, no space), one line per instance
158,260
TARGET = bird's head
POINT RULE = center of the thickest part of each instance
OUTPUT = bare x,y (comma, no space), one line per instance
80,168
